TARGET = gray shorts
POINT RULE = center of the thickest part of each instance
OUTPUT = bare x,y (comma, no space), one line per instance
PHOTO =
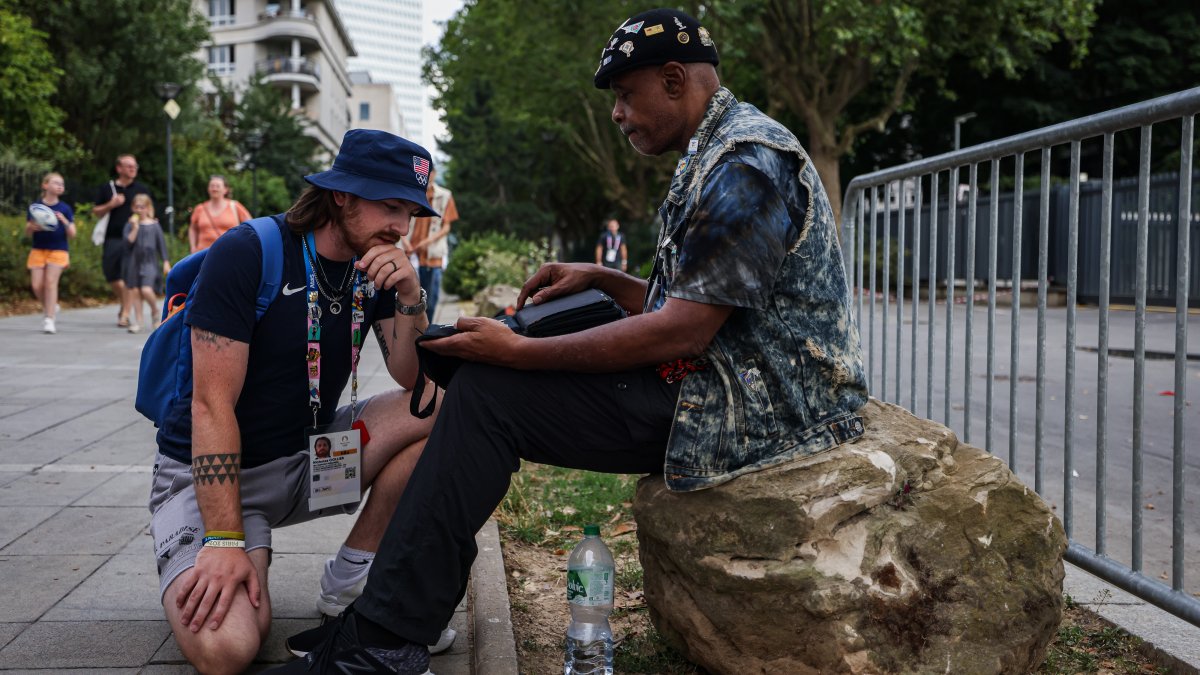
274,494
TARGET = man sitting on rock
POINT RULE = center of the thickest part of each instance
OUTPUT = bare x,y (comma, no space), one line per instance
741,352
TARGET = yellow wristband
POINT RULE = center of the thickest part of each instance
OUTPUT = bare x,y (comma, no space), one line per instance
226,534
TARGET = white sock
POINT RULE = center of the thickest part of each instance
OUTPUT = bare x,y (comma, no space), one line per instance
346,569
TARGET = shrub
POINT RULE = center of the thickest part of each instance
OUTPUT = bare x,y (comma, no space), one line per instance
492,258
84,279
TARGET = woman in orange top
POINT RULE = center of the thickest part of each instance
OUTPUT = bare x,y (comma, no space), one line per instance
212,218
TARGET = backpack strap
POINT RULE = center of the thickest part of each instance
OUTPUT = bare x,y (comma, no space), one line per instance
271,238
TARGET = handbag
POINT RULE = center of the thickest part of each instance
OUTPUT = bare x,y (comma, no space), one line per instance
560,316
101,227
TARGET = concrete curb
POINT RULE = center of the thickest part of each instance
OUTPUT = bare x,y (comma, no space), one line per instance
495,647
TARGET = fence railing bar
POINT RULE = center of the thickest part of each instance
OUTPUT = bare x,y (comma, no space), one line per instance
1069,356
858,261
900,295
1102,350
933,257
1182,268
887,287
993,244
871,282
1039,427
969,273
1159,109
1014,348
952,202
916,293
1139,342
1175,602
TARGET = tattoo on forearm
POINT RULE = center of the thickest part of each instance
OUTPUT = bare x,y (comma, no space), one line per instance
378,328
217,468
218,342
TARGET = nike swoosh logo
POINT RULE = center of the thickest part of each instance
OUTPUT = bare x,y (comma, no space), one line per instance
355,562
290,291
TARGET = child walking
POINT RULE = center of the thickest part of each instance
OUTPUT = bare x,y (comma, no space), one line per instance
146,247
50,254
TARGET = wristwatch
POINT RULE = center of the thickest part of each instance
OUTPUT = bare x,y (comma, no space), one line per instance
412,310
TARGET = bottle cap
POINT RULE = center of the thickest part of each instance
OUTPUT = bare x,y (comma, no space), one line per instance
591,530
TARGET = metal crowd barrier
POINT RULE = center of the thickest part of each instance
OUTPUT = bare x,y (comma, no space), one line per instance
942,267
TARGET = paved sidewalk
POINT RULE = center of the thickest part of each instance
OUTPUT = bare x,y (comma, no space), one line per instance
79,586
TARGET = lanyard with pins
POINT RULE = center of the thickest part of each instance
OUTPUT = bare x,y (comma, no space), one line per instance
313,356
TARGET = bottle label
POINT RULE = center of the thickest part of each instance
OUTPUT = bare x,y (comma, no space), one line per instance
590,588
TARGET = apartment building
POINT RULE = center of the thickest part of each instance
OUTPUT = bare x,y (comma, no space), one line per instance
373,105
387,37
300,46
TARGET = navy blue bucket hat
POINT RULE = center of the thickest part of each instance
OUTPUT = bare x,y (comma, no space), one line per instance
376,165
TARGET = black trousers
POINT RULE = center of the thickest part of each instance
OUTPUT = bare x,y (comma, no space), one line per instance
491,419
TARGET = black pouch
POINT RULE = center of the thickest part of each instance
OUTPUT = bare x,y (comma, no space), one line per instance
560,316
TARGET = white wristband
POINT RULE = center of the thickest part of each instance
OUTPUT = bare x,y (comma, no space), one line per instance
225,543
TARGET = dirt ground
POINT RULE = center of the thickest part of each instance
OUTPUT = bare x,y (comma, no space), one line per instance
537,590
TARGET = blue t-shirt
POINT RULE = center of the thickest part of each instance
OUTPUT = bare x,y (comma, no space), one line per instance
273,409
56,239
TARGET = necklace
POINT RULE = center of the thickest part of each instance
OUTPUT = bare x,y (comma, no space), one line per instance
326,289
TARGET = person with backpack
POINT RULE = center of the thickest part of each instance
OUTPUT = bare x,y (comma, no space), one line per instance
272,321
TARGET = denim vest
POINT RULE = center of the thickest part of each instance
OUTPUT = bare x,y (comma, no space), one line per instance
783,381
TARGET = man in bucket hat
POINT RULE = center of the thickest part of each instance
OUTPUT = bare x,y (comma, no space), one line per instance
741,353
241,459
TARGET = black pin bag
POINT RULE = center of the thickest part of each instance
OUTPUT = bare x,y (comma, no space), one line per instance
560,316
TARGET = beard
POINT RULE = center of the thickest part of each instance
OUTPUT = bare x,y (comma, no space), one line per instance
347,223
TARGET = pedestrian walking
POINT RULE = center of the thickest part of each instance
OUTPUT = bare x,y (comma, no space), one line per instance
215,216
51,223
146,251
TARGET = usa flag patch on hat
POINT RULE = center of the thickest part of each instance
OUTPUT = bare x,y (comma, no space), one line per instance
421,168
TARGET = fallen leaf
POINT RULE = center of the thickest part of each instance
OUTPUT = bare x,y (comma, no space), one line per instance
567,510
627,504
608,508
1166,392
624,528
560,551
615,518
1164,576
1149,507
572,528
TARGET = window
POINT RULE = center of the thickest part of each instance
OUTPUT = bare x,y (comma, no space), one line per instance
364,112
221,12
220,60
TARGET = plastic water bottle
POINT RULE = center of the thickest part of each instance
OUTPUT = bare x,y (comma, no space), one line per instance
590,572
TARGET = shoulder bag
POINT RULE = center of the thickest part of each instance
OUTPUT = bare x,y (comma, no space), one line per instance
101,227
560,316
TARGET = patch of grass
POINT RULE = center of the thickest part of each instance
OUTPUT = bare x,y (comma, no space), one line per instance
548,506
646,652
1085,643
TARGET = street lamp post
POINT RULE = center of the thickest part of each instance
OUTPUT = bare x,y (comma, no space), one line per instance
167,91
958,122
254,141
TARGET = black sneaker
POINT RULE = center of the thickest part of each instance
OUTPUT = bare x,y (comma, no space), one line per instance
304,642
341,651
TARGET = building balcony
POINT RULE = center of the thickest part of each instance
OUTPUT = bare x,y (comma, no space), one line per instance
289,71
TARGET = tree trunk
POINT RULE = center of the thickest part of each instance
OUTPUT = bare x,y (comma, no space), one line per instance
825,159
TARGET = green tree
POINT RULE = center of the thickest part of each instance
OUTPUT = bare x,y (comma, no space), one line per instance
111,54
842,68
286,150
533,151
1137,51
29,126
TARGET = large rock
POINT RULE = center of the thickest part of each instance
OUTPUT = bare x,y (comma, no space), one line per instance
903,552
494,299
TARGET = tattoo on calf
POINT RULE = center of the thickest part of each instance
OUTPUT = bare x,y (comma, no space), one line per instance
218,468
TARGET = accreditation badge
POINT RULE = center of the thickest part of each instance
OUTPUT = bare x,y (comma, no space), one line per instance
335,465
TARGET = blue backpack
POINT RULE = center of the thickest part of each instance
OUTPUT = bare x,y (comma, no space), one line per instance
165,372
